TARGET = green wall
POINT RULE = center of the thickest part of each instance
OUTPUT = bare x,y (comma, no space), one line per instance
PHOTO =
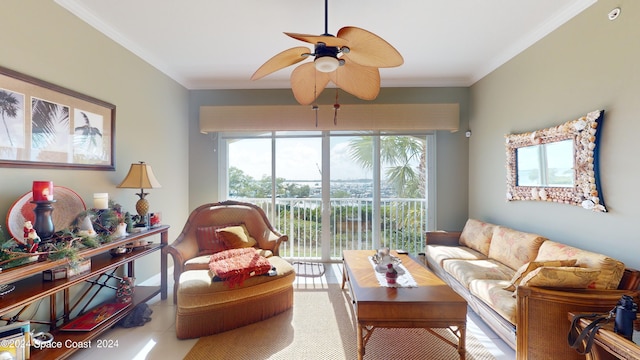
587,64
41,39
451,148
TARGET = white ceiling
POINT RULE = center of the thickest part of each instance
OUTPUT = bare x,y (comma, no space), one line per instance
208,44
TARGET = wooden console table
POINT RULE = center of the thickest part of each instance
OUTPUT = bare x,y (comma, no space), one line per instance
30,288
609,345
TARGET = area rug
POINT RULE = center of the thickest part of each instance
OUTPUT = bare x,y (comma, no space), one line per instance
321,326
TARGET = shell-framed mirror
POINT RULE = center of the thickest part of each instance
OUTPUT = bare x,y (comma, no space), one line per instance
557,164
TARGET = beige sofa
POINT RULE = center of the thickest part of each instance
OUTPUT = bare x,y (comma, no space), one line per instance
523,285
206,307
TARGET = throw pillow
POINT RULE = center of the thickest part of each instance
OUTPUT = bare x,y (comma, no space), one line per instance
525,269
236,237
563,277
208,240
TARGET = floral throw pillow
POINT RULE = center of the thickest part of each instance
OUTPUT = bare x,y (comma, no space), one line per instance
562,277
525,269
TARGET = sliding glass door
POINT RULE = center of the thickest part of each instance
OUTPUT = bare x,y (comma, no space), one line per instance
332,191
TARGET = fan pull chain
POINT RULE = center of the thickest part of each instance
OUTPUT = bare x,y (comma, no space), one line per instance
315,97
336,107
314,107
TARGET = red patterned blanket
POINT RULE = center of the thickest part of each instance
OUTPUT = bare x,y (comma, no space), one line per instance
234,266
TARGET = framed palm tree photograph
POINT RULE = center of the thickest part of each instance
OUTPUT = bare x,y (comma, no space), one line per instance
48,126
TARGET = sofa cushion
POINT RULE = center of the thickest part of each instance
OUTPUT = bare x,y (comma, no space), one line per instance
236,237
611,270
439,253
514,248
466,271
564,277
492,293
208,240
477,235
530,266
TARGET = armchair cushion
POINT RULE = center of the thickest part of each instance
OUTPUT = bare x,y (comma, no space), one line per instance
236,237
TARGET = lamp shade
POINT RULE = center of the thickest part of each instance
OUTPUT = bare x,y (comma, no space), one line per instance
140,176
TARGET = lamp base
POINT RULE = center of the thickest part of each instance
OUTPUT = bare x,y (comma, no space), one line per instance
142,207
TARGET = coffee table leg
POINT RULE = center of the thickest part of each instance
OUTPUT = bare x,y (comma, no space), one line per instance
360,343
344,276
462,342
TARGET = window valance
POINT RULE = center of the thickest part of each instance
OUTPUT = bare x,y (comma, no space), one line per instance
350,117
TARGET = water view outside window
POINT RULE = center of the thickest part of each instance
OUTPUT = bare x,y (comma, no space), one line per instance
546,164
295,208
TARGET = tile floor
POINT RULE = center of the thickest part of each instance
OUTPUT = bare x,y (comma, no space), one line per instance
156,339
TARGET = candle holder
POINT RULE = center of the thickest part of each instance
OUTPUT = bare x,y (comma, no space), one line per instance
44,222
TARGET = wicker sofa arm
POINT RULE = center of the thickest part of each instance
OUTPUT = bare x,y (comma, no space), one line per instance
543,325
448,238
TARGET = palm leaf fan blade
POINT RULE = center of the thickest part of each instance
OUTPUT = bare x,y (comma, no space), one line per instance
281,61
368,49
328,40
307,83
360,81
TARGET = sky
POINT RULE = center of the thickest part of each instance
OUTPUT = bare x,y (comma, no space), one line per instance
298,158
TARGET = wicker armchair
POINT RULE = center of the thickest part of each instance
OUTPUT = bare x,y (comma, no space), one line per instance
185,247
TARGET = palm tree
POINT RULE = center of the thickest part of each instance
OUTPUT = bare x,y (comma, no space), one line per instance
8,107
46,116
397,156
87,133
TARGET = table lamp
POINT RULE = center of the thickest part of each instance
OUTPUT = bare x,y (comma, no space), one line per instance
141,177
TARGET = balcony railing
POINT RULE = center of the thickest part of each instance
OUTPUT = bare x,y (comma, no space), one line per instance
402,225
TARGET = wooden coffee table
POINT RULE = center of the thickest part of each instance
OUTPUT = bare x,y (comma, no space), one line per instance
430,305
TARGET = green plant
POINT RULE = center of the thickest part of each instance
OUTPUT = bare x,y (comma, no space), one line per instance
65,250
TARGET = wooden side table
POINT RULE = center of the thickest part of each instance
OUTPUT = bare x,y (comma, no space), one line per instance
609,345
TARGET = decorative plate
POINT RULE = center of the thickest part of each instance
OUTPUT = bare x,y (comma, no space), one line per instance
66,208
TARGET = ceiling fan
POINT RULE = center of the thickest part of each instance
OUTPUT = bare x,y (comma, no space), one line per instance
350,60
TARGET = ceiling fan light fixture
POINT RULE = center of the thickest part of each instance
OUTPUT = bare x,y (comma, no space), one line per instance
326,64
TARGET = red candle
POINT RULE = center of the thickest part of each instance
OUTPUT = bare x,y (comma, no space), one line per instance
42,190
